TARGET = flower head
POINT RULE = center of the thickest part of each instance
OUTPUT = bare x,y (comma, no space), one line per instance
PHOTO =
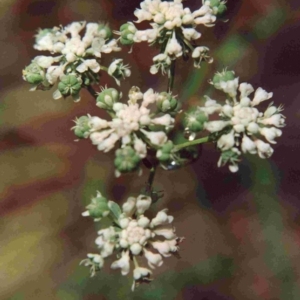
132,235
133,124
173,26
242,126
75,56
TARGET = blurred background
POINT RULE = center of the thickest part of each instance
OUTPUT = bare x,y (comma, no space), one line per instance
242,230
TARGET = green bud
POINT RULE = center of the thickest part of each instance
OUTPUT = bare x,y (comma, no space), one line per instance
221,77
98,208
127,32
69,85
118,70
107,98
221,9
214,3
217,6
195,120
164,153
33,74
166,103
105,31
126,159
82,128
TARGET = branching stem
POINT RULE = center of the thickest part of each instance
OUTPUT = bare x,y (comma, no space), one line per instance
191,143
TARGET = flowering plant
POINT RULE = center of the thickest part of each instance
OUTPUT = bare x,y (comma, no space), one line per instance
139,128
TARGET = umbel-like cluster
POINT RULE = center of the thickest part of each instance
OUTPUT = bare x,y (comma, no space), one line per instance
131,236
173,30
135,127
242,128
139,128
75,58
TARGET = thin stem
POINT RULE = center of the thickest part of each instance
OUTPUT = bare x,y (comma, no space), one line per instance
171,76
191,143
103,68
151,177
92,91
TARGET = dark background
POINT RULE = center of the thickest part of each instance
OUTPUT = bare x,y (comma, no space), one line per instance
242,230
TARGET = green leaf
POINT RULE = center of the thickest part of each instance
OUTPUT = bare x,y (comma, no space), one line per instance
115,209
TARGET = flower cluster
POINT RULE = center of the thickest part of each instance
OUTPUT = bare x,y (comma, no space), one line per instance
77,60
133,124
130,236
242,127
173,29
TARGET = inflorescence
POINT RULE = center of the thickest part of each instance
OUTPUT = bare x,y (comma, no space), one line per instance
139,128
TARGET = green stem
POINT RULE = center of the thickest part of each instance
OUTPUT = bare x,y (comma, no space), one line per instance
171,76
103,68
92,91
151,177
191,143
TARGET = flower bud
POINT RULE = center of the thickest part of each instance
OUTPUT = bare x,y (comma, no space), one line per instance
104,31
166,103
164,153
222,77
82,128
217,6
127,32
98,208
126,159
195,120
107,98
69,85
118,70
33,74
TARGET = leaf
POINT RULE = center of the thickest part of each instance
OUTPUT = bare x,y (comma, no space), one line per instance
115,209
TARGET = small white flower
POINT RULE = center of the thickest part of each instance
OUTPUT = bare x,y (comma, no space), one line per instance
161,219
264,149
270,134
129,206
215,126
165,231
261,95
156,138
143,203
154,259
226,141
122,263
173,47
248,145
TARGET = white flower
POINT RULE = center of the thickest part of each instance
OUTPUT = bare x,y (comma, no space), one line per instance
89,64
122,263
226,141
173,47
165,248
215,126
140,275
142,204
161,219
261,95
154,259
270,134
133,235
129,206
156,138
264,149
248,125
248,145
